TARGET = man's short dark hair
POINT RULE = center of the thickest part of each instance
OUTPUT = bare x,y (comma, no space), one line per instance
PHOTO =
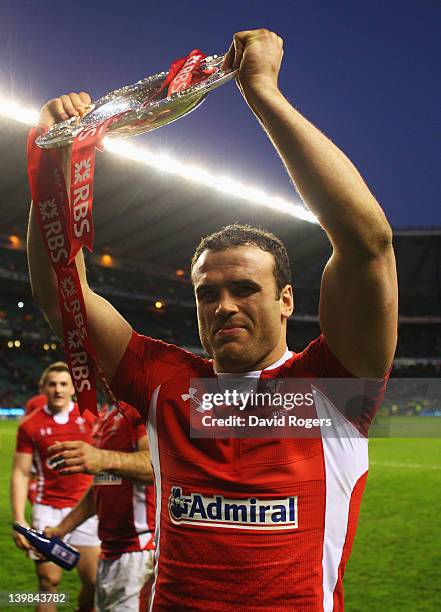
236,235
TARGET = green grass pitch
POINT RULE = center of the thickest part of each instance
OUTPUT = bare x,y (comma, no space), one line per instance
396,559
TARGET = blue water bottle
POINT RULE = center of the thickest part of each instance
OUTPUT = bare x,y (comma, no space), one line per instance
54,549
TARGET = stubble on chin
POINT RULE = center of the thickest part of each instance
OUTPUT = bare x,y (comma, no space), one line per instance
232,359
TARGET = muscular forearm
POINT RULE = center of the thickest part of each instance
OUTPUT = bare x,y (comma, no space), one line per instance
132,466
327,181
80,513
19,493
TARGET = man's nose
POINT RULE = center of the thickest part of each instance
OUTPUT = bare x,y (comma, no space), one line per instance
226,305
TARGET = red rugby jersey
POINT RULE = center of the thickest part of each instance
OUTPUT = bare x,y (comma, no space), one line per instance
251,524
36,433
35,402
126,511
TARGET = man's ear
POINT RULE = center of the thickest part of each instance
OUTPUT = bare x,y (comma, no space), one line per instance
286,301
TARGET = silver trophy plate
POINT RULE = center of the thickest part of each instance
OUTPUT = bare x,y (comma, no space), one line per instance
133,112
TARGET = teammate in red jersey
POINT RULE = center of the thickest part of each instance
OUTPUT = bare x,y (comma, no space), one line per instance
35,402
60,420
122,500
256,524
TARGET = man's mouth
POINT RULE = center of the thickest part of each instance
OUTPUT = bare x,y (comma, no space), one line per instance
229,330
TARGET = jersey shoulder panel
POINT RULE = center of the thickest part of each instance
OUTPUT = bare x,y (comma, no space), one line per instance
151,349
316,360
28,430
33,419
148,363
356,399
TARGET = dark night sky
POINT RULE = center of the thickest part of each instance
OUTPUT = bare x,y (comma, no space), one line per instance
366,73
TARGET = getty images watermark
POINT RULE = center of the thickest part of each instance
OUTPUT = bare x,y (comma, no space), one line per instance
247,407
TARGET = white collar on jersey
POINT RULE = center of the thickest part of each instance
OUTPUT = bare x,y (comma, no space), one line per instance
256,373
60,417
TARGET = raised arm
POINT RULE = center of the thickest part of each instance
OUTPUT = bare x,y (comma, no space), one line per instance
358,302
78,456
110,332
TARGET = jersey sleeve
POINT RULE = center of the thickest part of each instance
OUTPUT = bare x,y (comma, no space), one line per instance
357,399
135,419
146,364
24,441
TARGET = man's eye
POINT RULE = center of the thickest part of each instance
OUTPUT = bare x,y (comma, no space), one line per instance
244,290
207,296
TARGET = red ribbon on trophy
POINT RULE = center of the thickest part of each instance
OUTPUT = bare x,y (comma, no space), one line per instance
65,230
66,225
185,72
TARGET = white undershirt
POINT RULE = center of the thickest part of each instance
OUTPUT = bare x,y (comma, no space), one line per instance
247,381
60,417
256,373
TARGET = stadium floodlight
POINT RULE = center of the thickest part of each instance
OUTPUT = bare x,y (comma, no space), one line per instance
225,184
166,163
13,110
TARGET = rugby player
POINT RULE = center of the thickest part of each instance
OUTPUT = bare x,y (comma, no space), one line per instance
255,524
58,421
122,496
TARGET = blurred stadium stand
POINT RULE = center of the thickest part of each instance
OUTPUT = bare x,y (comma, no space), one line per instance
161,305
